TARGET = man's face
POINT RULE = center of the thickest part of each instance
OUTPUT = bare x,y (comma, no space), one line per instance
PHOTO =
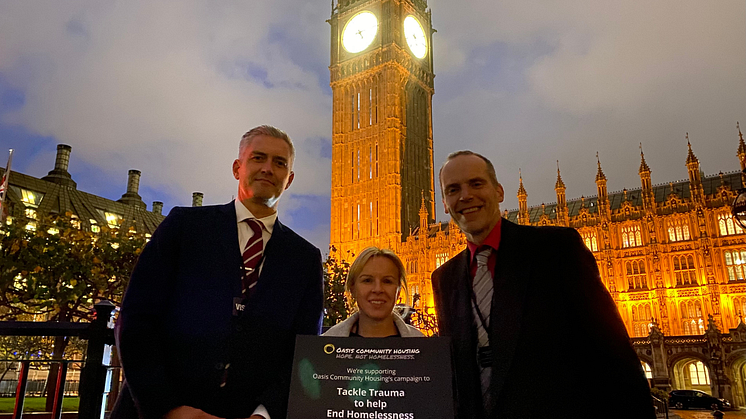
263,170
470,197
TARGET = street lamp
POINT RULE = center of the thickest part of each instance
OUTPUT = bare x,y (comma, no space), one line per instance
739,205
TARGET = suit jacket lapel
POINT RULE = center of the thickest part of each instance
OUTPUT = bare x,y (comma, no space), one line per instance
228,229
274,265
511,280
460,298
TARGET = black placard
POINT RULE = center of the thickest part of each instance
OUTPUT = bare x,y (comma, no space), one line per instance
370,378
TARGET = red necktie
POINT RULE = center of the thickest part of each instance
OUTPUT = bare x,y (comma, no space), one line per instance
252,255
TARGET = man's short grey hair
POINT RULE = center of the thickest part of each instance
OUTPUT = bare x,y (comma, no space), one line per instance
269,131
490,166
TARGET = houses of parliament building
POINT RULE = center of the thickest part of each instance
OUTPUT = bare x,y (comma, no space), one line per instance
671,255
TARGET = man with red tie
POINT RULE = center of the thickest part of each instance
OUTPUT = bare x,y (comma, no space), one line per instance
534,332
208,322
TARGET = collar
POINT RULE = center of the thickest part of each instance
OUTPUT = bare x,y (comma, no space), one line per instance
243,213
492,240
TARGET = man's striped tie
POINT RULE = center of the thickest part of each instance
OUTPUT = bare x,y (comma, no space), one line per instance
483,288
252,254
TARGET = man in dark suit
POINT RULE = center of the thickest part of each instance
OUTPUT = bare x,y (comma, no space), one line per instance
208,323
534,332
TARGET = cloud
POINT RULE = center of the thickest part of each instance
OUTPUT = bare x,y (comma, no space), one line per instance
169,87
165,87
532,82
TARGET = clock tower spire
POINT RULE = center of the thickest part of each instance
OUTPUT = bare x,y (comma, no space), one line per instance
381,76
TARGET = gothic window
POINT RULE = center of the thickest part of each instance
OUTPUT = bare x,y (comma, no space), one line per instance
370,219
358,164
352,162
440,259
739,307
636,277
678,230
352,112
370,162
357,114
728,226
631,236
698,374
357,221
591,241
735,261
641,317
370,106
376,172
684,270
691,318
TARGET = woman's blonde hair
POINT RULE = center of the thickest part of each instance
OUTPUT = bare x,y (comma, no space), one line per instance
357,267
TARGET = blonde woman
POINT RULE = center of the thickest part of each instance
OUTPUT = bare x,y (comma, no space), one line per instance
373,285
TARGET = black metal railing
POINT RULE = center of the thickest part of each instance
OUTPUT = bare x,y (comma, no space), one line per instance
661,407
100,336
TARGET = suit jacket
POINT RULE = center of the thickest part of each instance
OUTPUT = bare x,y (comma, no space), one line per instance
178,337
560,348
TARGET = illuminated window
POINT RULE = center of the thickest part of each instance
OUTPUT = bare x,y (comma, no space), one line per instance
113,220
691,318
728,226
684,270
94,226
698,374
31,213
591,242
31,226
678,230
440,259
641,320
29,198
75,221
648,371
376,172
631,236
636,277
734,264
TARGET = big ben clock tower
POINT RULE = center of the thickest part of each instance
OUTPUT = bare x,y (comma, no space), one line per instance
382,142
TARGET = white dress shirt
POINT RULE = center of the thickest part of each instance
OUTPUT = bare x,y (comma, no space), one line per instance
244,231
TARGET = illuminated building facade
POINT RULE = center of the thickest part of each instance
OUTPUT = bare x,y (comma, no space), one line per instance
57,193
671,255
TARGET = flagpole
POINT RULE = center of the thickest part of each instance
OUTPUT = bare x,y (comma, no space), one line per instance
4,187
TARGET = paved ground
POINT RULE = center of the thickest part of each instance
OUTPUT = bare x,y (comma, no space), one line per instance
706,414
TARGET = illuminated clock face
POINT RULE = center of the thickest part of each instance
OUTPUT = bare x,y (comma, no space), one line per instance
415,36
359,32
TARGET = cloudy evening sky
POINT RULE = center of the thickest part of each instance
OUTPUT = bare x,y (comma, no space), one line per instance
168,87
